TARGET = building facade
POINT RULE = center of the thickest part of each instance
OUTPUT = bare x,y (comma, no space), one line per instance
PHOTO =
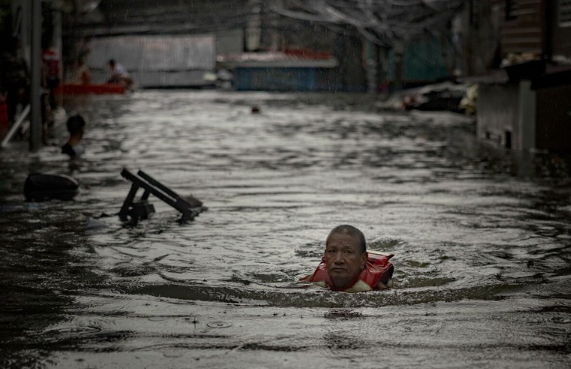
524,75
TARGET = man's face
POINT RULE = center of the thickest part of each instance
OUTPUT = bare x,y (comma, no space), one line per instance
343,259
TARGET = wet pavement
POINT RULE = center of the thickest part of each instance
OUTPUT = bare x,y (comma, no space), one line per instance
481,237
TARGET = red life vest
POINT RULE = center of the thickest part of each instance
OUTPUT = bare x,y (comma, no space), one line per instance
378,268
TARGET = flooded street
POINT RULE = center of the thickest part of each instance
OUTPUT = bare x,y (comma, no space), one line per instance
481,238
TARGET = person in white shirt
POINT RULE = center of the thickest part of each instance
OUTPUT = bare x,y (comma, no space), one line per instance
119,74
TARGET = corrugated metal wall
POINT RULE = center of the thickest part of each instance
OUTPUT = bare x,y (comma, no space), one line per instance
155,61
521,30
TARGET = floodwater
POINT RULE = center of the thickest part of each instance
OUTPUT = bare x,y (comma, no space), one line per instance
481,238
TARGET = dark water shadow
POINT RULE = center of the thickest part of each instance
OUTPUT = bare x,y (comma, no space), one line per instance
45,262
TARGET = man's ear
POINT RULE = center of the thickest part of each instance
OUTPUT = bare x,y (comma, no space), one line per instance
364,258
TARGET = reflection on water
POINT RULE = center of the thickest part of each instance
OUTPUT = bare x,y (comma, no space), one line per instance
481,237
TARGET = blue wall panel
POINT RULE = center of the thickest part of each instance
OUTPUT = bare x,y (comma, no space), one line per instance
274,79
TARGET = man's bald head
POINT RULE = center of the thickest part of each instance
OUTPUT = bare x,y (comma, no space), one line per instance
351,231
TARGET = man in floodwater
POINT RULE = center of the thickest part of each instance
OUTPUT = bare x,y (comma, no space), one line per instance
76,128
347,266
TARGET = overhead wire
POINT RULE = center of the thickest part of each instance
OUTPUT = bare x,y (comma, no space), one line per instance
395,20
385,22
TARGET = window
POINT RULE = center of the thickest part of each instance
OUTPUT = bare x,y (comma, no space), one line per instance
564,13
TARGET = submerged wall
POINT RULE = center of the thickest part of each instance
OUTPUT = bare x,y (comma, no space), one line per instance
525,115
498,113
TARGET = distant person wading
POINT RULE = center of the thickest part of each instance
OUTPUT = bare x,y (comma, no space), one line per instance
50,70
82,74
76,127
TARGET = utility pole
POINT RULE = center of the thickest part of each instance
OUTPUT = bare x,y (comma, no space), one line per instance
35,103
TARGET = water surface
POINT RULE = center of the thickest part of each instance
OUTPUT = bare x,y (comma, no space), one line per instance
481,237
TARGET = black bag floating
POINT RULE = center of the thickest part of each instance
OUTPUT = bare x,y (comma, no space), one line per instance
41,187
